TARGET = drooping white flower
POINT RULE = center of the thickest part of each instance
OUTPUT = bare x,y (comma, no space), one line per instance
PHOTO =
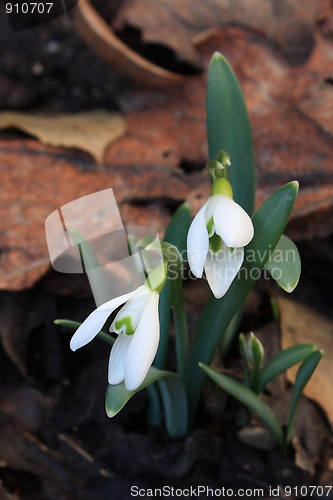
138,329
217,237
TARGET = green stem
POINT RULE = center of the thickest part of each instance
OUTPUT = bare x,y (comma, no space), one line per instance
230,332
180,322
255,378
164,314
75,324
106,337
154,408
182,349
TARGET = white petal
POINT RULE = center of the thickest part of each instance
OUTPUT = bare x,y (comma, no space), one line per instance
93,324
119,300
116,372
133,308
232,223
197,242
142,349
222,268
211,205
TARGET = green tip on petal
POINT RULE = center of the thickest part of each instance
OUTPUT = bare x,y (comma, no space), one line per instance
222,186
157,278
127,323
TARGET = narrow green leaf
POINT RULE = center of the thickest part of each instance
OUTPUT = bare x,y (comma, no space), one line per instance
117,395
92,267
172,295
176,234
282,361
175,406
229,129
182,340
245,361
269,222
249,399
164,312
275,310
303,375
284,264
67,322
75,324
175,268
154,409
231,331
173,396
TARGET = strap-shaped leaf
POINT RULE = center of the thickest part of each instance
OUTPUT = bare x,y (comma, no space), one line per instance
284,264
92,267
303,376
284,360
154,411
164,312
175,234
269,222
175,406
231,331
249,399
229,129
173,396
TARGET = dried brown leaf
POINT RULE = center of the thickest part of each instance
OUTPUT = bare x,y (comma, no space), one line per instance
302,325
111,49
176,23
89,131
166,130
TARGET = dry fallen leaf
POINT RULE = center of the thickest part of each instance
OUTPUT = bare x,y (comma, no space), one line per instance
155,162
90,131
38,179
100,37
176,23
302,325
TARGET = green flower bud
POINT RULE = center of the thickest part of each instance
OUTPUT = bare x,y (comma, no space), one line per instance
215,169
224,158
254,350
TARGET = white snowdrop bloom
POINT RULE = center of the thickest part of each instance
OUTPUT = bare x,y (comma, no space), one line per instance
138,329
217,237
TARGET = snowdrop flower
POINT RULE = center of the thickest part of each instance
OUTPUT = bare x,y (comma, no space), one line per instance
138,329
216,238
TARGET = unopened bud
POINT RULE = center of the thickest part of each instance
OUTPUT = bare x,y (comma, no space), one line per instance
215,169
254,350
224,158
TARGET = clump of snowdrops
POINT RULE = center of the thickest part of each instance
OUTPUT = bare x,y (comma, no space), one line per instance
229,244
